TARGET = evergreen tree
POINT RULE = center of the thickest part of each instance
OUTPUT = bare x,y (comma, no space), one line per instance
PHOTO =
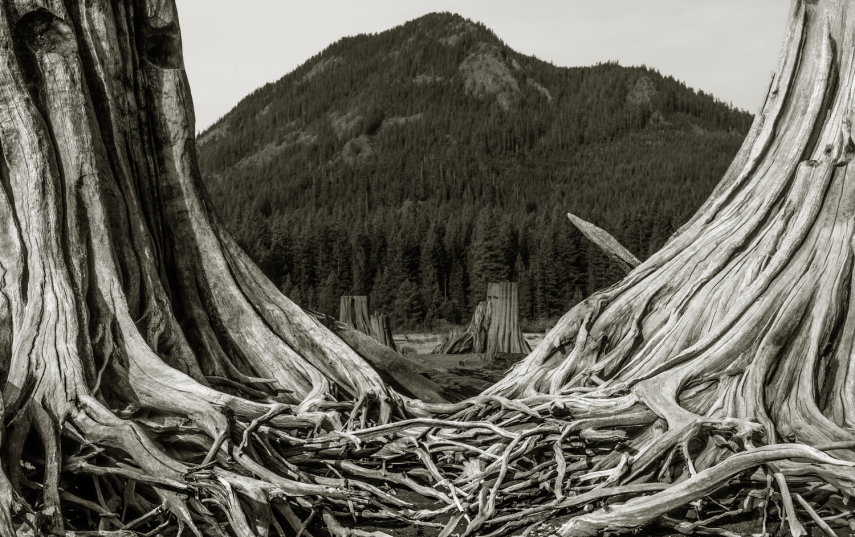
488,253
329,295
525,290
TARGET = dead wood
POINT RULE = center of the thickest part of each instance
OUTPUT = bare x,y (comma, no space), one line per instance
494,327
608,244
353,312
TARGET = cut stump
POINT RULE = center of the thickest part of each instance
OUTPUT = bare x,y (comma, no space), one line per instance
353,311
495,325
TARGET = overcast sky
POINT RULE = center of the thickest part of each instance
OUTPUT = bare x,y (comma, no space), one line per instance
724,47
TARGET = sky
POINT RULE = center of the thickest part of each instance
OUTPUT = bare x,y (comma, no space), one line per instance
725,47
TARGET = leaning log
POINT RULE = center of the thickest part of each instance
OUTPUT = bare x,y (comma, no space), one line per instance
608,244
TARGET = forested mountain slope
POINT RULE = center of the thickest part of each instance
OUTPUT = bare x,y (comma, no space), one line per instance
418,164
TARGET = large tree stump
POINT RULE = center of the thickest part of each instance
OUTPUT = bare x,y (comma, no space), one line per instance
137,340
495,325
504,334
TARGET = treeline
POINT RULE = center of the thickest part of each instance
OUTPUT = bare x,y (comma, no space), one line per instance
422,261
381,175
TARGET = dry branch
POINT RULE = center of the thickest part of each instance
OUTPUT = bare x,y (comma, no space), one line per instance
608,244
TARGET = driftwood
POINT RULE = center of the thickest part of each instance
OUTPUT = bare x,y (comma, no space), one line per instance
494,327
608,244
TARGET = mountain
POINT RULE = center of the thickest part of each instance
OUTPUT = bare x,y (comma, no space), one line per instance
418,164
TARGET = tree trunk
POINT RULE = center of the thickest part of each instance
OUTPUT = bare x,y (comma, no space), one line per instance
504,334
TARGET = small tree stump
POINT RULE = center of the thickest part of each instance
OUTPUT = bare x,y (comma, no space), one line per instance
353,311
381,330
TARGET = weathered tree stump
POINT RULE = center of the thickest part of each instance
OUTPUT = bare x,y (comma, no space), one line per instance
494,327
474,339
504,333
381,330
353,311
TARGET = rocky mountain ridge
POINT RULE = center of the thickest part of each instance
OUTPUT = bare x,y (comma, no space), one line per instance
436,130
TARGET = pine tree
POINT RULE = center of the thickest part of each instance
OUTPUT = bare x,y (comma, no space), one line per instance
342,256
488,253
329,295
458,293
524,279
408,307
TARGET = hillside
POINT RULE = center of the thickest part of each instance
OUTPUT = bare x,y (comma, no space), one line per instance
419,163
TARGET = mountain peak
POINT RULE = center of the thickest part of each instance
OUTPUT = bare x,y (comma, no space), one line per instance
441,117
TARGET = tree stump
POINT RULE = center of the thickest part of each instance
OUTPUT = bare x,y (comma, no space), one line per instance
494,327
353,311
474,339
381,330
504,334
